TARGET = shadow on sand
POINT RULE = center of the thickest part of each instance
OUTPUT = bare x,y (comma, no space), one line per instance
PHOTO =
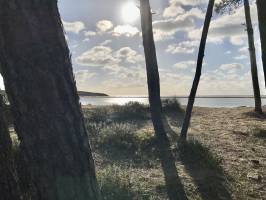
203,166
205,169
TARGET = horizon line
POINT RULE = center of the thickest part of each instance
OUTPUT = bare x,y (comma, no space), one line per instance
176,96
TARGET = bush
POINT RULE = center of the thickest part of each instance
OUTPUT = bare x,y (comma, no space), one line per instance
171,105
259,132
131,111
97,114
121,142
117,138
115,184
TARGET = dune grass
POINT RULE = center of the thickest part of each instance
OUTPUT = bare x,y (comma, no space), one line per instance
127,166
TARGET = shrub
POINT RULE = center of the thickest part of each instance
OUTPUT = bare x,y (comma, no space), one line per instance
171,105
131,111
115,184
259,132
97,114
121,141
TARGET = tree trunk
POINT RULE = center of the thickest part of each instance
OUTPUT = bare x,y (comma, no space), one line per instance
174,187
196,81
9,188
40,85
253,61
261,6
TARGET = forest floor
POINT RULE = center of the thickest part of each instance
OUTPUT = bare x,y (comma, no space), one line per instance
224,158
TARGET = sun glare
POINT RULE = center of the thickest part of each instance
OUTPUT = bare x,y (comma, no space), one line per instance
130,12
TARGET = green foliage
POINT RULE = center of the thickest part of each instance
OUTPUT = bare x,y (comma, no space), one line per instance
259,132
227,6
121,141
120,183
115,184
131,111
171,105
97,114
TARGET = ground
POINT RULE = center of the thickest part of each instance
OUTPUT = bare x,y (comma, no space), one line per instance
225,157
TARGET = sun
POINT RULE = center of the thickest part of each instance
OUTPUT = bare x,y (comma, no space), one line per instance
130,12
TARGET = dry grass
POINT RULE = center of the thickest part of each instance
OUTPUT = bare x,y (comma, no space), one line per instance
225,152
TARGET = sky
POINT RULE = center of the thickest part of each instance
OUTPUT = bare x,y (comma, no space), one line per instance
104,38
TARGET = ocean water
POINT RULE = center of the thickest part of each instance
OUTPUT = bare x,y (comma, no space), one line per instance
202,102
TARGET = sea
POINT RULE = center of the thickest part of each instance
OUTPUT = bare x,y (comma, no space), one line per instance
218,102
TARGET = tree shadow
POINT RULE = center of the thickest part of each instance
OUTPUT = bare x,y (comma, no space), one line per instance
167,159
203,166
205,169
258,116
123,145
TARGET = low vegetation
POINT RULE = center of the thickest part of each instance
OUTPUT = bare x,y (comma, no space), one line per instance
127,165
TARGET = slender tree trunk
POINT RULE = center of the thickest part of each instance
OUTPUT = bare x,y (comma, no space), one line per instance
261,6
39,81
174,187
9,188
196,81
253,61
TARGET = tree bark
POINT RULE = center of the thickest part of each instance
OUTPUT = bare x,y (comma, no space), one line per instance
40,85
261,6
196,81
253,61
174,187
9,187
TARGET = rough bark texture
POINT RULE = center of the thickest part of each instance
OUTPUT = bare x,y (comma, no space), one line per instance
261,6
39,82
253,61
196,81
174,187
9,188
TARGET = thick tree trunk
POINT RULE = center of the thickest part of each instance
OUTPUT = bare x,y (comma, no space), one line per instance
39,81
174,187
261,6
9,188
253,61
196,81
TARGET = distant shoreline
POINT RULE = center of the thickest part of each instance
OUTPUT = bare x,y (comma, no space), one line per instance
165,97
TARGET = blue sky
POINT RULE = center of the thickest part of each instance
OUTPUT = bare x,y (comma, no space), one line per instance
108,57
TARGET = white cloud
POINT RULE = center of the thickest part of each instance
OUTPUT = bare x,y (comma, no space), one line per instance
82,76
172,11
125,30
90,33
98,56
167,28
104,25
188,2
106,42
228,26
102,56
74,27
185,47
231,68
130,55
185,64
241,57
217,82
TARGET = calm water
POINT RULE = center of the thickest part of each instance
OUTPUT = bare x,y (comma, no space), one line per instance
203,102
